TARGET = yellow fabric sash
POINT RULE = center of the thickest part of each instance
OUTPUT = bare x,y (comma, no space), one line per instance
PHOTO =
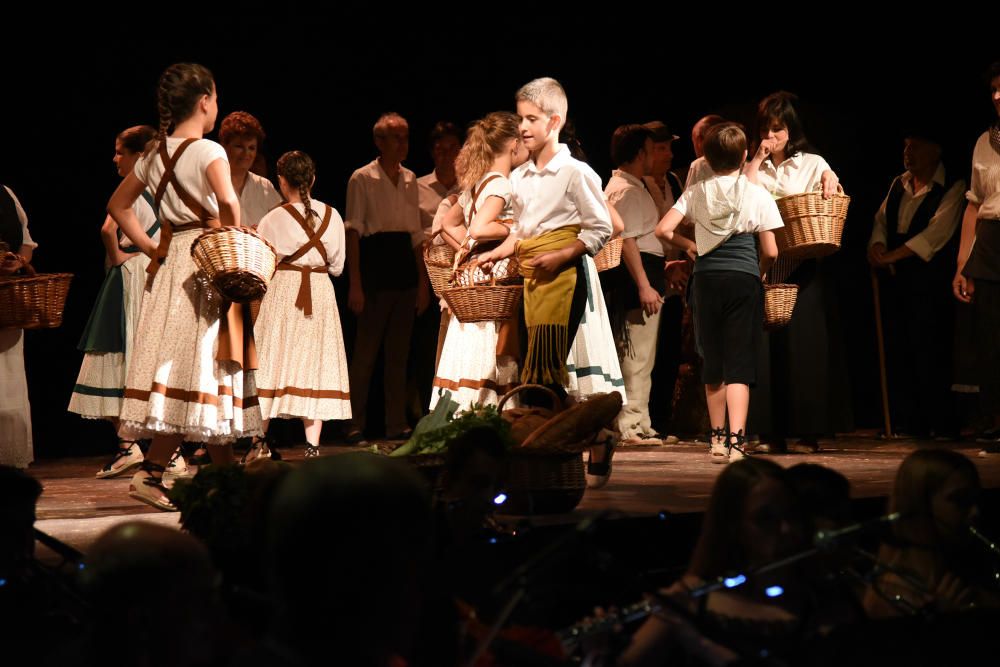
547,301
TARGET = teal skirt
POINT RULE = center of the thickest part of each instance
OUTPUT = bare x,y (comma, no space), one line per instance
105,330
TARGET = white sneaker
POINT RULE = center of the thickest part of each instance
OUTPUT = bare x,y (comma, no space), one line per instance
127,459
145,488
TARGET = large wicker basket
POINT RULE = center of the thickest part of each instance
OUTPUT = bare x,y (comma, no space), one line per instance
610,255
236,260
779,302
439,260
543,482
35,301
483,303
813,225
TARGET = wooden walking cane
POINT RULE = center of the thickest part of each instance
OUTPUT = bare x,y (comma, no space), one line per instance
881,355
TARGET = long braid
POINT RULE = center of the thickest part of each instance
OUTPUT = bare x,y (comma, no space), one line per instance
310,214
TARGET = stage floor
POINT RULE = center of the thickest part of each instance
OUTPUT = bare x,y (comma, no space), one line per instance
75,507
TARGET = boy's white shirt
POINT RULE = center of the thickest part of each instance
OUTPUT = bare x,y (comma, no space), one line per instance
722,206
565,192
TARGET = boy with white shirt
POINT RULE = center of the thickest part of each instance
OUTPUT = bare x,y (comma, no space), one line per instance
561,219
727,211
561,216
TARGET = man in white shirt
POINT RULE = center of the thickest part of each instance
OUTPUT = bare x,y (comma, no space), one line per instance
388,282
665,188
445,142
642,255
914,241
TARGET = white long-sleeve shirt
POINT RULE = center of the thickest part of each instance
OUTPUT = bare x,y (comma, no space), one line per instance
566,192
942,224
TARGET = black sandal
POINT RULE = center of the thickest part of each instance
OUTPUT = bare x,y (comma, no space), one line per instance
312,451
124,451
261,448
151,490
740,445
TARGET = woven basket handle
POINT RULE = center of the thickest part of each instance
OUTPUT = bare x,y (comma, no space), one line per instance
471,271
557,404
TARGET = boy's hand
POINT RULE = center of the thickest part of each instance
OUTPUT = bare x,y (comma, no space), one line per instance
549,261
677,273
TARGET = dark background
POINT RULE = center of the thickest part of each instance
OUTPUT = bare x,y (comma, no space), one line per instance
318,81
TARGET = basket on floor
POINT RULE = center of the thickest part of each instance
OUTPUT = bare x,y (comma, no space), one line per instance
483,303
439,260
779,302
543,482
813,225
237,261
610,255
33,301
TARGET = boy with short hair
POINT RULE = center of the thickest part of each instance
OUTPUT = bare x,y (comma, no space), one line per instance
562,221
727,211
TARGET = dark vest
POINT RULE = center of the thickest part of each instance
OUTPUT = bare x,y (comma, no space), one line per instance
943,259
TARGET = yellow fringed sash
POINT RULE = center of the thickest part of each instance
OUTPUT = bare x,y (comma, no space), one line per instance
548,299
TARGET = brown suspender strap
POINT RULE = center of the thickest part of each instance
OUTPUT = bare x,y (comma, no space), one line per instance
476,193
304,298
170,177
314,237
168,228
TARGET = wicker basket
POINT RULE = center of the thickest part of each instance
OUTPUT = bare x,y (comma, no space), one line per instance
439,260
813,225
35,301
483,303
779,302
610,255
543,482
236,260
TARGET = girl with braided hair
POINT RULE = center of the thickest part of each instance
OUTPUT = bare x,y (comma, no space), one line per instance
303,369
188,379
